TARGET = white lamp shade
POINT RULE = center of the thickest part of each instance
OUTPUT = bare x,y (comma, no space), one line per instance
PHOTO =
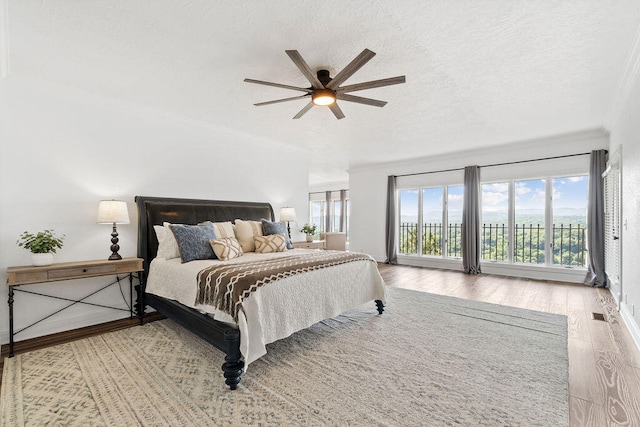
287,214
112,212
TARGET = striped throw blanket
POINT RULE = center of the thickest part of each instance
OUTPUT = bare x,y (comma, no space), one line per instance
226,286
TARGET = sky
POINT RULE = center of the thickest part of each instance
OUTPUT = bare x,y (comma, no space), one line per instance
568,193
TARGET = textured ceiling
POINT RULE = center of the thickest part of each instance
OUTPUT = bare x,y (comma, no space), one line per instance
479,73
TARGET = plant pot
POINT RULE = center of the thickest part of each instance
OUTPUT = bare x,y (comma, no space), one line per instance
309,237
40,260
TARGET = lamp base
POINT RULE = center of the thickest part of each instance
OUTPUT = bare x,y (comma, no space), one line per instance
114,245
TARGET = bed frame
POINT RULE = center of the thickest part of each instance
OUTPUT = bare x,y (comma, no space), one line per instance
156,210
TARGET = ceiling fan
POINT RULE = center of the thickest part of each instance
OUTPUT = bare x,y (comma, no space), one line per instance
325,90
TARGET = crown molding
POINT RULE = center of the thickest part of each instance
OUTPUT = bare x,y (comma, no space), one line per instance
4,38
627,81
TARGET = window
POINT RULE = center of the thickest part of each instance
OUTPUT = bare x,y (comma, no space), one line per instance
570,195
432,204
317,210
529,221
495,221
520,217
428,226
455,196
335,225
320,211
530,217
408,221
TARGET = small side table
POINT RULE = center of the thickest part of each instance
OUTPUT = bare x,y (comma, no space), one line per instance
29,275
316,244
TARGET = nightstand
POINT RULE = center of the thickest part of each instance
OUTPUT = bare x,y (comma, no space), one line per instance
316,244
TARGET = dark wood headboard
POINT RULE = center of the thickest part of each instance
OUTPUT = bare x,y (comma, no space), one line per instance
156,210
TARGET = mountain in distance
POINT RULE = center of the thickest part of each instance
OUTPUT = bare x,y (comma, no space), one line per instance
570,212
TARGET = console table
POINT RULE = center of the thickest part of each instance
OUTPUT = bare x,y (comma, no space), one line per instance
315,244
22,276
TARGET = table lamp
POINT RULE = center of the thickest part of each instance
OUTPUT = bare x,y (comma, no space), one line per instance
288,214
113,212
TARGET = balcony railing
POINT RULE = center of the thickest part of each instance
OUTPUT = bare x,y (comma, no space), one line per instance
568,246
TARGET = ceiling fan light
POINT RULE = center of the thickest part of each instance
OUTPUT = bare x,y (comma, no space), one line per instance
323,97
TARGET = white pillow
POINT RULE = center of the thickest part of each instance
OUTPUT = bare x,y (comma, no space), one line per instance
167,244
246,231
224,230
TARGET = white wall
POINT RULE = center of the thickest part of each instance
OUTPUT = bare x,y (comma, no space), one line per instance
61,152
368,185
625,134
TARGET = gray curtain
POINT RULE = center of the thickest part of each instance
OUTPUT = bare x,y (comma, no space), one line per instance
390,232
343,210
470,238
327,210
595,219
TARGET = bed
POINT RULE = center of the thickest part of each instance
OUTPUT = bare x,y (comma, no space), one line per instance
270,312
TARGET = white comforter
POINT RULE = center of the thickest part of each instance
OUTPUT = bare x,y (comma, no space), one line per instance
277,309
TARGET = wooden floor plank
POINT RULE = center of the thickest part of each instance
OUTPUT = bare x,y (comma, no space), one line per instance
585,413
558,301
621,390
583,379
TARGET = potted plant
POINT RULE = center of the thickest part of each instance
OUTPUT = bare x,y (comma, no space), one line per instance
42,246
309,230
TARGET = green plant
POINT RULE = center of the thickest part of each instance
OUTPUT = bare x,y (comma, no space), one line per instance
308,229
41,243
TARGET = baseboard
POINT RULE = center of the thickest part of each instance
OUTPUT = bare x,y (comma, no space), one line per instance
31,344
632,326
536,272
61,325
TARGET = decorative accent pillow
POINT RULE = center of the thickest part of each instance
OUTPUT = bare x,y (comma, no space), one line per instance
270,243
269,227
167,245
224,229
246,231
193,241
226,248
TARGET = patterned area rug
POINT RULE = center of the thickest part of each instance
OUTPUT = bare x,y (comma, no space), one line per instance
428,360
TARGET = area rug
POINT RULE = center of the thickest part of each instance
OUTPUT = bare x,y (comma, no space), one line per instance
427,360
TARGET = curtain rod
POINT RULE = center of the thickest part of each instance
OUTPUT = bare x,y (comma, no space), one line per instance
331,191
497,164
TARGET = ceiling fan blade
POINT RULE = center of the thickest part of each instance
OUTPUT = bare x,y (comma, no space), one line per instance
304,68
360,100
304,110
260,82
374,83
364,57
281,100
336,111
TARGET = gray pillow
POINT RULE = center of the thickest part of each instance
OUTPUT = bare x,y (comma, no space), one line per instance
193,241
269,228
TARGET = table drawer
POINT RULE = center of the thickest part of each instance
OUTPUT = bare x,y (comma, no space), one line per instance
74,272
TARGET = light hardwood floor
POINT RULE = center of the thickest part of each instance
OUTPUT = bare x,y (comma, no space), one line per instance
604,362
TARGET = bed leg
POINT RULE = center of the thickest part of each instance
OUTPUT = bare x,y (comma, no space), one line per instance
140,305
379,306
232,366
